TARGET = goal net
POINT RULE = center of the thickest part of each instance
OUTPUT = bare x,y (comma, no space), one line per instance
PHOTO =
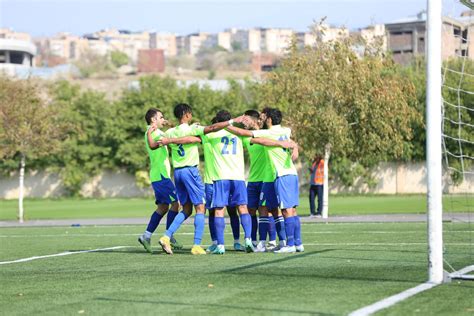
457,133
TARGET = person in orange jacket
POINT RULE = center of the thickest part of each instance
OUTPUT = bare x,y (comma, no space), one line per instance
316,182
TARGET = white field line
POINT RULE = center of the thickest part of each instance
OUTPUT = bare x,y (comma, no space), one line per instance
61,254
392,300
190,233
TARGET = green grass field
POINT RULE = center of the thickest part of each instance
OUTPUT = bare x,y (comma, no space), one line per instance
109,208
345,267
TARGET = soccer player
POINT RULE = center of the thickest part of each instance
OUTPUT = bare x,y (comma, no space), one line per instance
286,183
260,189
229,182
190,189
165,192
209,175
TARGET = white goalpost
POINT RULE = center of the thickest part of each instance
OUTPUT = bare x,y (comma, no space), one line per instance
438,135
433,142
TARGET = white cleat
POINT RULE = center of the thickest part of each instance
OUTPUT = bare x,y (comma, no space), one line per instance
300,248
271,246
286,249
260,247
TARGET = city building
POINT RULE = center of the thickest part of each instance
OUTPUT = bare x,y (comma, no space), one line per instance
193,43
406,37
151,60
247,40
221,39
276,41
16,56
165,41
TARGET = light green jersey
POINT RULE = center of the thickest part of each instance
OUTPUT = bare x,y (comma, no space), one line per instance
261,168
188,154
159,162
209,172
280,157
228,154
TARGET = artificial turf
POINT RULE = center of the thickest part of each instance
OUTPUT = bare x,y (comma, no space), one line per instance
345,267
67,208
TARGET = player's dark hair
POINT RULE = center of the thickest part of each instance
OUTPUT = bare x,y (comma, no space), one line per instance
252,113
266,110
181,109
275,115
150,114
223,116
214,120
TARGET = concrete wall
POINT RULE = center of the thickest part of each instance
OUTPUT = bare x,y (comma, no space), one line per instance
41,184
392,178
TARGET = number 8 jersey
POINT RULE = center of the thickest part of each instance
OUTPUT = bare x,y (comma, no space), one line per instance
184,155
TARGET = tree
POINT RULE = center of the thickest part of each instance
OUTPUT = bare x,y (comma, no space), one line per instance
353,107
118,58
29,128
94,136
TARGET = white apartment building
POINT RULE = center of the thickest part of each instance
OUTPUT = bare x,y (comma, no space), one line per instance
165,41
222,39
276,41
249,40
193,43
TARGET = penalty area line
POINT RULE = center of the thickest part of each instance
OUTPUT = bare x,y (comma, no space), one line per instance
392,300
61,254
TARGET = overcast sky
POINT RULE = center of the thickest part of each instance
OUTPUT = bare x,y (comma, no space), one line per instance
45,18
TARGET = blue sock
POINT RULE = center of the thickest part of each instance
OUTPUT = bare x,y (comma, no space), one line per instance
220,227
235,225
178,220
271,228
290,230
280,228
154,222
254,227
246,224
198,228
263,227
298,240
212,227
170,218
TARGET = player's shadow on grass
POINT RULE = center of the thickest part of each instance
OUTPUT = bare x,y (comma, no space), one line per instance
206,306
349,273
284,258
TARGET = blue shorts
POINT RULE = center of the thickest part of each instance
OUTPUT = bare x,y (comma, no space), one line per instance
253,193
229,193
165,192
189,186
268,196
287,191
209,188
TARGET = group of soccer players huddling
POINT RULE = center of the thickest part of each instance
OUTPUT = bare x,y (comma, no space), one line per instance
271,189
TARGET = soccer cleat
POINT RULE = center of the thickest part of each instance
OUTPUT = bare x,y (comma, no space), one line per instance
286,249
175,244
220,250
165,244
271,245
260,247
197,250
238,247
211,248
300,248
145,243
249,246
